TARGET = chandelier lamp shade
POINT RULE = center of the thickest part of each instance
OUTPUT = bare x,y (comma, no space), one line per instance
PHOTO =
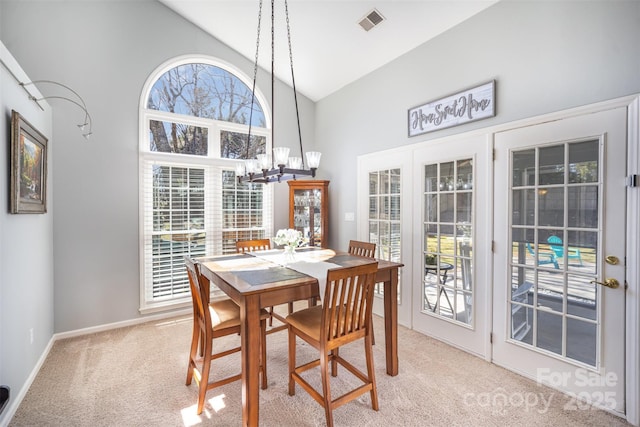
86,127
277,166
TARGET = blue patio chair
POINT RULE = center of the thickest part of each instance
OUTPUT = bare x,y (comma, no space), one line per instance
543,257
558,249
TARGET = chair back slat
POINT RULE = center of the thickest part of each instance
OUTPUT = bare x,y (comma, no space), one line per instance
243,246
364,249
348,301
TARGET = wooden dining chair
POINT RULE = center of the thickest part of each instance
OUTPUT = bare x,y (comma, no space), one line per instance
367,250
243,246
364,249
214,320
344,317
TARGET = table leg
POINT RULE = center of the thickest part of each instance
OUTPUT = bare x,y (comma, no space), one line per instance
391,322
250,338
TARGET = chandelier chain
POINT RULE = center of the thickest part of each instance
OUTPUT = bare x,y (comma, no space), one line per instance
273,77
293,79
255,75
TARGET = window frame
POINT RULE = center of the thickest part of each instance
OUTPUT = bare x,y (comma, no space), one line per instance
212,164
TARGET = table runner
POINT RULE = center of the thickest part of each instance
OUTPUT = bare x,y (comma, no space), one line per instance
309,262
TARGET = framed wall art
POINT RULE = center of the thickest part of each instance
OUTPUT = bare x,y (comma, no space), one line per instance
28,167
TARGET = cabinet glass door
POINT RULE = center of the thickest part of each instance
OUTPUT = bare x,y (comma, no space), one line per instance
307,216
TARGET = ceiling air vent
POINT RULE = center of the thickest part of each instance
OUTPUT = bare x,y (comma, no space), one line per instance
372,19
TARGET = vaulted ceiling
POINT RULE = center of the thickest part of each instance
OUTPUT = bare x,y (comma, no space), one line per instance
330,47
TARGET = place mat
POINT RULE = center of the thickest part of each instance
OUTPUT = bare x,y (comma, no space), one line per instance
270,275
344,258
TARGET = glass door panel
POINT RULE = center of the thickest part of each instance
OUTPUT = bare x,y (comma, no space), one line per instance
448,231
550,258
385,218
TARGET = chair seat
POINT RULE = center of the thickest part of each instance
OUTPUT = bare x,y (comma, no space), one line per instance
307,320
226,314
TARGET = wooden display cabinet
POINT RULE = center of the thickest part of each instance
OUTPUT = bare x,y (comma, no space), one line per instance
308,210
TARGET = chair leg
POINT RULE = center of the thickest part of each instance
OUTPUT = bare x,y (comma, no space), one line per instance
292,361
334,361
373,335
326,387
195,339
368,350
201,345
271,316
263,352
204,380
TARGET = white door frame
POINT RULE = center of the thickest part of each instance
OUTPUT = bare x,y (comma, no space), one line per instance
633,269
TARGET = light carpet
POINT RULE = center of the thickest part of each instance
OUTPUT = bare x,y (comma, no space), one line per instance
135,376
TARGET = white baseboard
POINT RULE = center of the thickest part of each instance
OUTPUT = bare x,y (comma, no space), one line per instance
17,400
13,407
124,323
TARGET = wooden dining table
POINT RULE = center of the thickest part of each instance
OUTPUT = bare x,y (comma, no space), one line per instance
255,283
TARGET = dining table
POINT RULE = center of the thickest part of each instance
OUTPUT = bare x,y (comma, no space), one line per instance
261,279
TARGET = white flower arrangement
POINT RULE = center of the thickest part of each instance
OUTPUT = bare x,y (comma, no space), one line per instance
289,237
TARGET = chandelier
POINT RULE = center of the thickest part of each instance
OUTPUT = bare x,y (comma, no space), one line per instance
277,166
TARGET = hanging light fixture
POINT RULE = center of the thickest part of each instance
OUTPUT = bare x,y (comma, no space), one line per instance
87,123
277,166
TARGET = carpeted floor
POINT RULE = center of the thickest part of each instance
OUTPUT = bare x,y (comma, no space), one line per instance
135,376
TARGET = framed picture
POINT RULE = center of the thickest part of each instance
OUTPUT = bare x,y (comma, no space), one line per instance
28,167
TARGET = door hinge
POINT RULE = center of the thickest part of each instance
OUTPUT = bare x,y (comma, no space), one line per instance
490,337
493,246
633,181
494,154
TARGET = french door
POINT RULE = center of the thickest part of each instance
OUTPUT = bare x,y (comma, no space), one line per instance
559,253
451,249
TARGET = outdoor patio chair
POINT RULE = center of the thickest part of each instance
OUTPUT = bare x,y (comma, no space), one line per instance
557,247
543,257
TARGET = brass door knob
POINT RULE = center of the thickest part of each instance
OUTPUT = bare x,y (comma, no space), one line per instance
609,283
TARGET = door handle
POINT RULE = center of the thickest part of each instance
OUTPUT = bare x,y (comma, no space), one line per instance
609,283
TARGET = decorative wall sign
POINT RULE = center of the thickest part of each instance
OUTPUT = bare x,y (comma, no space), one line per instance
463,107
28,167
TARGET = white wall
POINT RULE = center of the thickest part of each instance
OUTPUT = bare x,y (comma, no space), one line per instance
26,248
544,55
105,50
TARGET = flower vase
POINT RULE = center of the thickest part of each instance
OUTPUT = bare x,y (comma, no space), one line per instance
288,255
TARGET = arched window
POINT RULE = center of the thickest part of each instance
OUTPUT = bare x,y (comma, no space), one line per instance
194,124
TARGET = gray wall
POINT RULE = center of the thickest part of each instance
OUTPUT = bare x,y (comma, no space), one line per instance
26,254
545,56
105,50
